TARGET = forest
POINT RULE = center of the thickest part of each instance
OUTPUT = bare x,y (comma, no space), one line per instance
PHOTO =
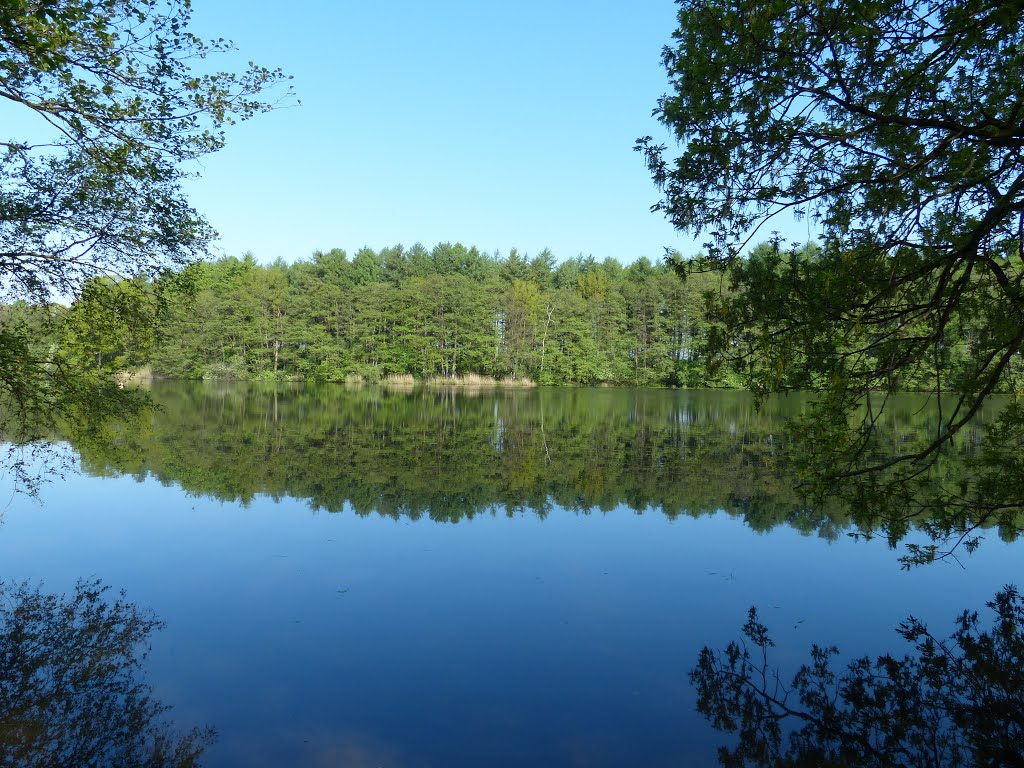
447,314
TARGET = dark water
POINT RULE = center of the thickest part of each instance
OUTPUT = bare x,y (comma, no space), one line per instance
427,578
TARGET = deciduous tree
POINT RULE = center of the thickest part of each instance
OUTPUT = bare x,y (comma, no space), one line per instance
113,99
896,130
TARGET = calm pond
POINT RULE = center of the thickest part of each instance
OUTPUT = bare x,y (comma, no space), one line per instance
364,577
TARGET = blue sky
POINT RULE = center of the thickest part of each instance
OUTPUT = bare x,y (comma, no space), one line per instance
497,125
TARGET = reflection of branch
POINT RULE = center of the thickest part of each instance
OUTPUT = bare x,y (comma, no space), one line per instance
72,690
952,702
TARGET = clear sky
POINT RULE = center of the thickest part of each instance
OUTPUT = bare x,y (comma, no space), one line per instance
498,125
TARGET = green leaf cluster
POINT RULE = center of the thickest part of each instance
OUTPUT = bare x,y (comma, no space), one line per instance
113,101
895,130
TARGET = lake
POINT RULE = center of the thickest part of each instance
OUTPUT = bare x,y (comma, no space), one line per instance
373,577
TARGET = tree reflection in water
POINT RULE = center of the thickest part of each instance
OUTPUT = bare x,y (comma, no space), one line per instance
952,702
72,688
450,455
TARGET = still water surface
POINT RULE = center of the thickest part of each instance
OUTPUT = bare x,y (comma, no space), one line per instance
426,578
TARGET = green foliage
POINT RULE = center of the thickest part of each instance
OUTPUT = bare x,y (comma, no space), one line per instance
99,192
94,194
894,129
448,312
452,311
110,327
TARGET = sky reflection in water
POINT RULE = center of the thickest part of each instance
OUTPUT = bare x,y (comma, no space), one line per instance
312,638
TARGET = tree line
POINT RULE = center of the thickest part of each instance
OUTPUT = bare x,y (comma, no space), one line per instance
448,312
445,313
